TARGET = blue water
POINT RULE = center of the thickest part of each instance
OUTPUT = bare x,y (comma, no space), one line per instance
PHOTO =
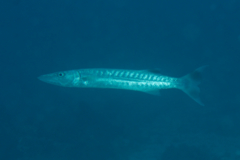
39,121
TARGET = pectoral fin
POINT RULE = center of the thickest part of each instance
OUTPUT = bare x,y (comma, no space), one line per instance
88,78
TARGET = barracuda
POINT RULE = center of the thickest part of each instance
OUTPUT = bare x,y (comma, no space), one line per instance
148,81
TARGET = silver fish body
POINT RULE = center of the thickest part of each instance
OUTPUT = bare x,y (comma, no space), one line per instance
125,79
149,81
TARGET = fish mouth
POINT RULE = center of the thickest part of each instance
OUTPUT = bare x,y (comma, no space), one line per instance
52,79
43,78
47,78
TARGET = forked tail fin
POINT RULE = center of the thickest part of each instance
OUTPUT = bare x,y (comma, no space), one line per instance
190,84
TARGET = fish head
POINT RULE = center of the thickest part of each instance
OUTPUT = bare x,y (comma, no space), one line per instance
63,78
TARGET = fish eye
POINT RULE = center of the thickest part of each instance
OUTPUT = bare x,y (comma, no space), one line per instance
60,74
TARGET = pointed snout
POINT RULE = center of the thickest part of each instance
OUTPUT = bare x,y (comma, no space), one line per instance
48,78
43,78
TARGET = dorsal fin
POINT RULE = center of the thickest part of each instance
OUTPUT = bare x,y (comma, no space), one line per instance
155,71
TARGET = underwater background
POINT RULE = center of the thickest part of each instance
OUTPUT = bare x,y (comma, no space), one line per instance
39,121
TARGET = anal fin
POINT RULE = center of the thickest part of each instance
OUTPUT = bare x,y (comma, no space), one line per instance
154,92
